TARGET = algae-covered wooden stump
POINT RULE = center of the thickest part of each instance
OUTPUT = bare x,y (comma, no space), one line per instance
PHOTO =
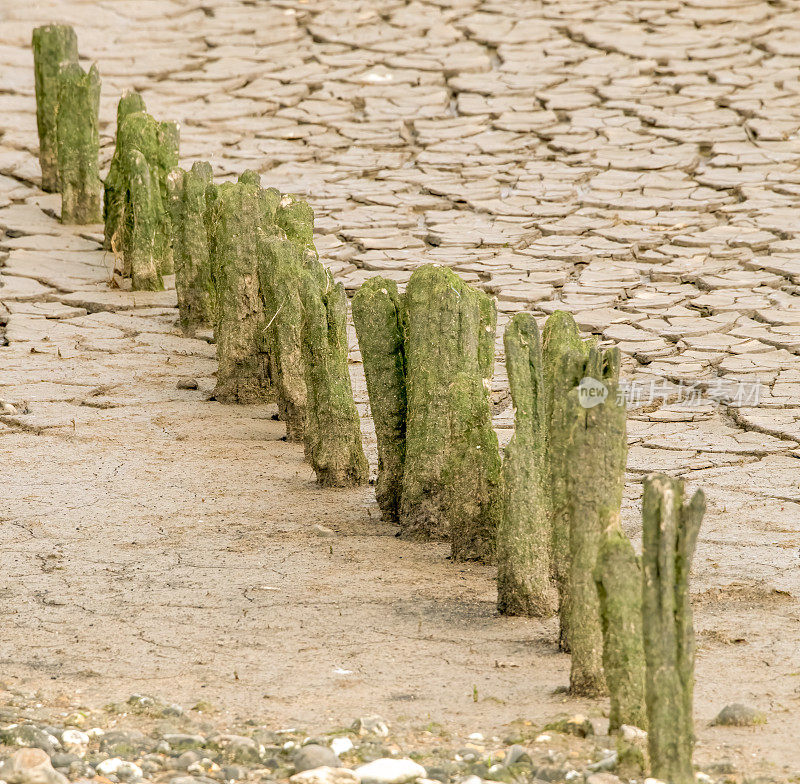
282,264
333,432
113,194
560,338
296,218
618,578
451,481
78,140
193,282
379,318
524,534
596,454
669,536
238,217
52,46
142,215
158,143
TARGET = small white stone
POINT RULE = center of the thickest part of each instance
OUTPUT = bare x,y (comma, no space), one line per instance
629,732
95,732
475,736
542,738
75,741
326,775
341,745
390,771
122,769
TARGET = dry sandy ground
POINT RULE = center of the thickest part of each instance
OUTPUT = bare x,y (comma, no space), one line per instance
635,163
156,541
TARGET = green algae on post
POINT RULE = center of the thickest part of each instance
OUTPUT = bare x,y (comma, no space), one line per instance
236,217
158,143
669,535
379,319
618,578
52,45
79,144
524,533
193,281
560,337
451,482
596,456
333,430
281,268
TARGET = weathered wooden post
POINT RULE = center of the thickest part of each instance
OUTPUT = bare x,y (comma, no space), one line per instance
596,455
618,578
669,536
451,482
559,338
379,318
524,534
158,143
142,216
52,45
78,140
193,282
296,218
238,217
282,265
113,193
333,430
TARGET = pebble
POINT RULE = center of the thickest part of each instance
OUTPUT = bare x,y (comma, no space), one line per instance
75,741
371,725
30,766
30,736
738,715
390,771
182,741
187,382
631,733
122,769
602,778
315,756
326,775
341,745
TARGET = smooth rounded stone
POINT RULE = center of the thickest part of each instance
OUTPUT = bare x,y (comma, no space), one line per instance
75,742
371,725
187,382
126,743
233,772
186,759
315,756
602,778
439,773
236,748
739,715
63,760
192,780
325,775
122,769
30,736
183,741
517,755
30,766
630,733
342,744
390,771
